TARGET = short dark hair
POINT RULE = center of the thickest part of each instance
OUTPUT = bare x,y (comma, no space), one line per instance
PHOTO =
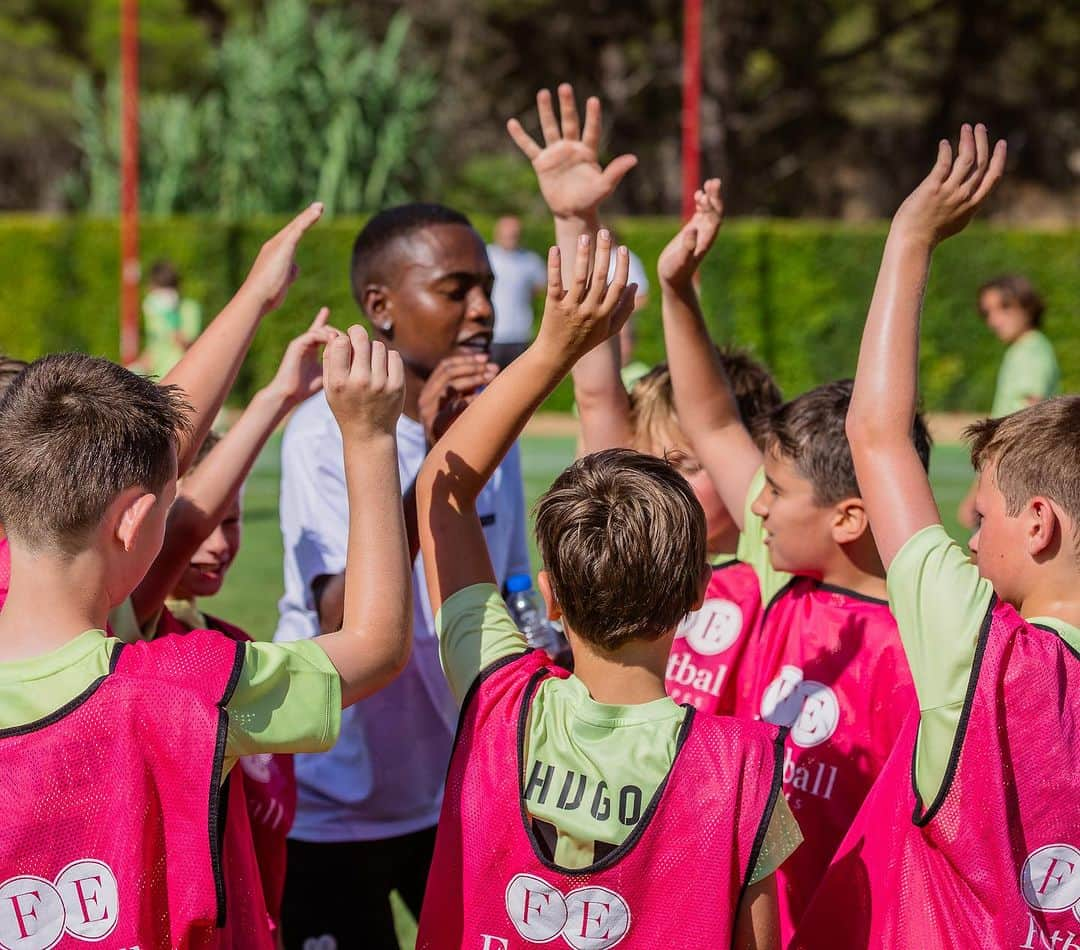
810,431
10,367
369,257
75,431
622,537
164,274
1016,288
1037,452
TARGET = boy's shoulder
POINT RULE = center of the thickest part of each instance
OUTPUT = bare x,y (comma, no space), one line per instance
207,662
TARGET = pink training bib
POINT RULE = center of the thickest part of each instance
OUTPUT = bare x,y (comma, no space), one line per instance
829,665
261,811
675,882
995,859
111,805
710,642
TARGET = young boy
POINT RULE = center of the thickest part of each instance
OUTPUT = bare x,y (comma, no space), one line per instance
202,538
710,642
113,754
984,850
612,786
826,660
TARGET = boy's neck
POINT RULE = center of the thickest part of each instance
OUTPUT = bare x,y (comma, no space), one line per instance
857,567
1054,597
51,601
633,675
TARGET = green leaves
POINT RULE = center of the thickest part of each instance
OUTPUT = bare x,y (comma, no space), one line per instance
298,108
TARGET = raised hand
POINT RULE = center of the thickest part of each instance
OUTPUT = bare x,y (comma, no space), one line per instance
684,252
275,267
301,373
452,385
365,384
949,196
568,168
589,312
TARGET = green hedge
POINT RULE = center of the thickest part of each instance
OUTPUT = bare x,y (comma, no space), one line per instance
794,292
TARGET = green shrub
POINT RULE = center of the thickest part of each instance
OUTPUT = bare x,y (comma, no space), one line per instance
795,293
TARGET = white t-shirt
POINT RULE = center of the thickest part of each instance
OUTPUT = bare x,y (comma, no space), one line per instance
384,778
635,275
519,274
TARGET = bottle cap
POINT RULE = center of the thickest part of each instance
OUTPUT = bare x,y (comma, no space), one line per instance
516,583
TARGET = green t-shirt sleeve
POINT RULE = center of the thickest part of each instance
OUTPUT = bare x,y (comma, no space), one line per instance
782,837
287,699
752,547
940,602
474,629
1029,373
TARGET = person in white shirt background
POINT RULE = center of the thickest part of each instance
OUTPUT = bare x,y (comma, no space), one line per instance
367,810
520,277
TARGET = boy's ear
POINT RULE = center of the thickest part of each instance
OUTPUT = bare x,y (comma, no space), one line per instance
128,515
1045,528
378,306
554,612
850,521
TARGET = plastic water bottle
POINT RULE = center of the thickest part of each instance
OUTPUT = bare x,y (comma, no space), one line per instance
525,608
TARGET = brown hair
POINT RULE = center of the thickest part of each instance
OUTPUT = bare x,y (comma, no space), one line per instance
75,431
211,440
652,399
622,538
10,367
809,430
1036,451
1016,288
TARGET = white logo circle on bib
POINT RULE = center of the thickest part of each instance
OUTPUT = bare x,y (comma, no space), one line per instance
714,628
536,909
31,914
1050,878
598,918
809,708
91,898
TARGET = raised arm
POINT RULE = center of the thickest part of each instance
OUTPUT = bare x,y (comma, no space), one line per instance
205,494
893,483
706,407
574,184
365,387
461,462
207,371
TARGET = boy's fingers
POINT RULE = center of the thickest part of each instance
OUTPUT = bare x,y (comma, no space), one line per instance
546,111
713,193
580,281
571,124
993,173
378,364
336,360
361,348
395,371
617,169
965,158
591,135
304,220
554,274
618,280
982,159
623,309
320,318
522,139
940,171
601,267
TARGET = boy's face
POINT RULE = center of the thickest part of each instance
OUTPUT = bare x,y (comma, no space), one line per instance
205,572
798,530
999,543
1003,315
440,299
719,525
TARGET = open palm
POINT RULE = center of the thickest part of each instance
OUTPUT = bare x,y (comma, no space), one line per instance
568,169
